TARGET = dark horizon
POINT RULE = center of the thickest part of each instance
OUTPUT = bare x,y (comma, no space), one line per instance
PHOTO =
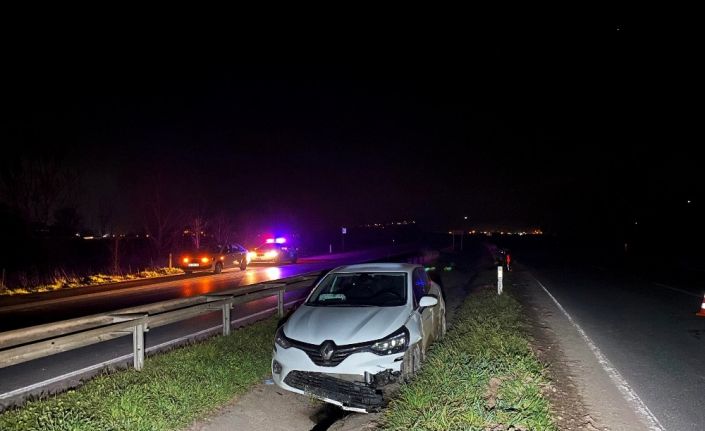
580,133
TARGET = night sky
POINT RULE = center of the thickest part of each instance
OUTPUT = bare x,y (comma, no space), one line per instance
584,128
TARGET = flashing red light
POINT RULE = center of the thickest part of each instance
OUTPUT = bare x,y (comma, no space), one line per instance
270,240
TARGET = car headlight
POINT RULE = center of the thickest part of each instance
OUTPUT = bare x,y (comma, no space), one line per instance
280,339
395,343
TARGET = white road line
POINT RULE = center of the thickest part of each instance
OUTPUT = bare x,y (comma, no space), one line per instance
675,289
66,376
626,390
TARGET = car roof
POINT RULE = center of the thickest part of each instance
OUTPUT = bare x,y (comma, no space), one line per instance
378,267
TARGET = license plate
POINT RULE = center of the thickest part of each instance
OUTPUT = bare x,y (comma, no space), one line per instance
192,264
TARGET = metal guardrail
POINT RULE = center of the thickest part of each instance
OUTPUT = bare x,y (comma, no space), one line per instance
26,344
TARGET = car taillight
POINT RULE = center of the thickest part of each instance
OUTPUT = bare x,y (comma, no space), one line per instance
186,260
204,259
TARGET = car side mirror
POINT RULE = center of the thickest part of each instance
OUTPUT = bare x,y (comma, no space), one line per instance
428,301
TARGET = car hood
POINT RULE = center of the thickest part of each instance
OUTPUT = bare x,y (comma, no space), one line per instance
344,325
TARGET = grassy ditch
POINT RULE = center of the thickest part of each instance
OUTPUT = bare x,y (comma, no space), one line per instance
172,391
482,376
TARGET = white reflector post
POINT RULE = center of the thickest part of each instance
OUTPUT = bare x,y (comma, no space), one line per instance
499,280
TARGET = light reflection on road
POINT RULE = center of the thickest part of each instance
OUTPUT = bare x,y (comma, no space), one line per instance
273,272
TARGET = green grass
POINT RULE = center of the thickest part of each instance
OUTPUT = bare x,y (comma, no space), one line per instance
172,391
487,346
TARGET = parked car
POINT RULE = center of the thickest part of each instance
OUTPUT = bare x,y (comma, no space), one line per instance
361,328
215,258
274,253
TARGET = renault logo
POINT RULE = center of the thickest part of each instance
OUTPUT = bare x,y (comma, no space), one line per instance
327,350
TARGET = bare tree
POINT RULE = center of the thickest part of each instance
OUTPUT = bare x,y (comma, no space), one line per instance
106,211
162,220
223,229
37,188
197,226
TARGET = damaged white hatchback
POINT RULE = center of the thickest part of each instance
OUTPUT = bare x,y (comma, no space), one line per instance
361,328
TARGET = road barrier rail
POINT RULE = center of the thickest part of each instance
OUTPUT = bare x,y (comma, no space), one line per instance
26,344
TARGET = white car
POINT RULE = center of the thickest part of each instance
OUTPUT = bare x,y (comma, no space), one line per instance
361,328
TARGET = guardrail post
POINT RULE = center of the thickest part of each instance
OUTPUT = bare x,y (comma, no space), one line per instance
226,318
280,303
500,277
138,345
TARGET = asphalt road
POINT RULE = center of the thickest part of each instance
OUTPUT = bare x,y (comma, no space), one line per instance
64,370
647,330
21,311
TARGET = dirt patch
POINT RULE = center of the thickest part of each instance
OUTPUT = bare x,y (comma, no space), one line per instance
491,393
567,406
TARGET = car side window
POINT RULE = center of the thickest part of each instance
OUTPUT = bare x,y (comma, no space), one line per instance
420,285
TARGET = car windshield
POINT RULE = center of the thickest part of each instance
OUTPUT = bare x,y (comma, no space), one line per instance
267,247
363,289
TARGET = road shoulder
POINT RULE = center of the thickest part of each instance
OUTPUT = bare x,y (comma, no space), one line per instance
582,397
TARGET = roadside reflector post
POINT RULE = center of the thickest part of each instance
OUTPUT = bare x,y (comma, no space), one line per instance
280,303
500,276
226,318
169,260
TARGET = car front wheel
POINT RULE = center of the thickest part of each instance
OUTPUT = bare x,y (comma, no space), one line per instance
442,327
412,362
218,268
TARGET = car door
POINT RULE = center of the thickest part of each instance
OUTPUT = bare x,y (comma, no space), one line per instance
227,254
238,253
435,290
420,287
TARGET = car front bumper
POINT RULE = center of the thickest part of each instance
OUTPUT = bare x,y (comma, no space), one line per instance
262,259
354,384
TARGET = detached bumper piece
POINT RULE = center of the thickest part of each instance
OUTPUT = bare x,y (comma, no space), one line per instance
351,394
